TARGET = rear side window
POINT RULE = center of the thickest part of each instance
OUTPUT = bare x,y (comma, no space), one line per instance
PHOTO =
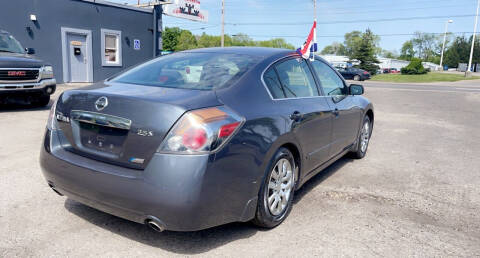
290,79
199,71
273,84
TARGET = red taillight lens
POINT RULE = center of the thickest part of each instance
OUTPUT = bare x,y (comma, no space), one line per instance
194,138
201,131
365,72
227,130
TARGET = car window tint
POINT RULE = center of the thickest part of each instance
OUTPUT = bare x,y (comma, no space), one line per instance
331,83
271,80
199,71
296,78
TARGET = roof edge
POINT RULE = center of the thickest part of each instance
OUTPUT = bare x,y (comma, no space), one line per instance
123,6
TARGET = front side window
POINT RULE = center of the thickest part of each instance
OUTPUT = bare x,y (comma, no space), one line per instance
111,48
9,44
331,83
294,78
199,71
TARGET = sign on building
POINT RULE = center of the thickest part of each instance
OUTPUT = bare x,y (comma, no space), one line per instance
136,44
186,9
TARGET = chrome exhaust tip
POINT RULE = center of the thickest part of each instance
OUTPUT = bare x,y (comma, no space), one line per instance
155,224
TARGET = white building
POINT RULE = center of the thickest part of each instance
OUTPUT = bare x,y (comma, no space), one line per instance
342,61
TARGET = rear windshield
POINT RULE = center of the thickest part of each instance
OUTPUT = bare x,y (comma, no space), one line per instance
200,71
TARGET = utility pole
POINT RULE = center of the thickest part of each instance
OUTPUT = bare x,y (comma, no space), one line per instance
473,41
444,41
222,43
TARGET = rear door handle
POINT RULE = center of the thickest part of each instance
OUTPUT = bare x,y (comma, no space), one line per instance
296,116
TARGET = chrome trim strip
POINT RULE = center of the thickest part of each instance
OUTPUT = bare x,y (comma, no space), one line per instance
19,68
26,86
101,119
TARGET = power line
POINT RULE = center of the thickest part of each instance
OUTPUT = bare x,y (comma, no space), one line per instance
341,36
354,21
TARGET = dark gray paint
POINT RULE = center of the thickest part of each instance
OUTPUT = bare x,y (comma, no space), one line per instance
45,35
193,192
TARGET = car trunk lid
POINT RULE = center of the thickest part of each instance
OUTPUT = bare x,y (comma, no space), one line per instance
123,124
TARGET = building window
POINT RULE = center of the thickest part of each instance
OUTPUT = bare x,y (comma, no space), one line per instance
111,47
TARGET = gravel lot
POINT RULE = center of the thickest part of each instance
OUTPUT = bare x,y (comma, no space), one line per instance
415,194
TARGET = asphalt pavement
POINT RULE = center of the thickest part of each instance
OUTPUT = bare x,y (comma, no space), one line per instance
415,194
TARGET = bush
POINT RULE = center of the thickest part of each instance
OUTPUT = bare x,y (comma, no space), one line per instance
415,67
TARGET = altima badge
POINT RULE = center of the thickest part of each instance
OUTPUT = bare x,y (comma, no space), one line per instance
101,103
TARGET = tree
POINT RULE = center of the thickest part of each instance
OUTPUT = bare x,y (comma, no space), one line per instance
170,38
388,54
186,40
336,48
415,67
407,52
459,51
365,52
275,43
426,46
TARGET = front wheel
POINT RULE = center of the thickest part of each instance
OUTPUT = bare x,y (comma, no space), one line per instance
363,139
42,101
276,194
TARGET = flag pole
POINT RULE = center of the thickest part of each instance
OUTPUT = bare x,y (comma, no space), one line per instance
315,30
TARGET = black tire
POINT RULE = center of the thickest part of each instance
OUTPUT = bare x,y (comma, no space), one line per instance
357,78
264,217
42,101
358,152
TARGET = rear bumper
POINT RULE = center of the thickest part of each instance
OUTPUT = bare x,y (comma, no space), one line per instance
46,86
183,192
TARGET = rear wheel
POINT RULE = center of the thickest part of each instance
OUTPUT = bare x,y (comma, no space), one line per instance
363,139
276,194
357,78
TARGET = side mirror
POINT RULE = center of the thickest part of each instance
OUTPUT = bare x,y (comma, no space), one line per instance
356,89
30,51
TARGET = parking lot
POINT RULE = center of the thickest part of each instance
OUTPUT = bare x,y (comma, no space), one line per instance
415,194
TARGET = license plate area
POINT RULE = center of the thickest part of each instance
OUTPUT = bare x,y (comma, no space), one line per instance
102,138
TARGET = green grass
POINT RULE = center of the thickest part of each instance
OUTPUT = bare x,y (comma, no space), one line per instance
429,77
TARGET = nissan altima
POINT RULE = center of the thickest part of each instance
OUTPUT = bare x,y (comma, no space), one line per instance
204,137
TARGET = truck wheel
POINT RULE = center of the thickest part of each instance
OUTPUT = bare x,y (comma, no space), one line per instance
42,101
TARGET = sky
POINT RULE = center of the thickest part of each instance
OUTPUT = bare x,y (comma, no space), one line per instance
394,21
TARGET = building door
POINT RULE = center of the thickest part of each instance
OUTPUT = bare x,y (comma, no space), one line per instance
77,57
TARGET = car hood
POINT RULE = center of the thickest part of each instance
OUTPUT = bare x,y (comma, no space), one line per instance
15,60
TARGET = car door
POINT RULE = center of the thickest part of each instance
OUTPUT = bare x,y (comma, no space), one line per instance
347,113
293,88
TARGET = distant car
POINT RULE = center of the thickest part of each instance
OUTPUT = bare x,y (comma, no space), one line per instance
21,75
390,70
204,137
355,74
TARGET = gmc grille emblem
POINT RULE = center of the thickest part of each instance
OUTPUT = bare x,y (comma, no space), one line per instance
17,73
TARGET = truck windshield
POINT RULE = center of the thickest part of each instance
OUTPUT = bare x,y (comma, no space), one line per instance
199,71
9,44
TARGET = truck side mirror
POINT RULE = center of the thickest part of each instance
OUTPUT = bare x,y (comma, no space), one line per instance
30,51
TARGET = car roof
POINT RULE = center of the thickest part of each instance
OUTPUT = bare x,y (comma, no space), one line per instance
253,51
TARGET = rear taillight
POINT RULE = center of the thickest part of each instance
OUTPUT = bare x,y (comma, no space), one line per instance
365,73
201,131
52,121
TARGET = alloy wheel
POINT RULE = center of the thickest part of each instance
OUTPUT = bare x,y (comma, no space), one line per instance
280,186
365,137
